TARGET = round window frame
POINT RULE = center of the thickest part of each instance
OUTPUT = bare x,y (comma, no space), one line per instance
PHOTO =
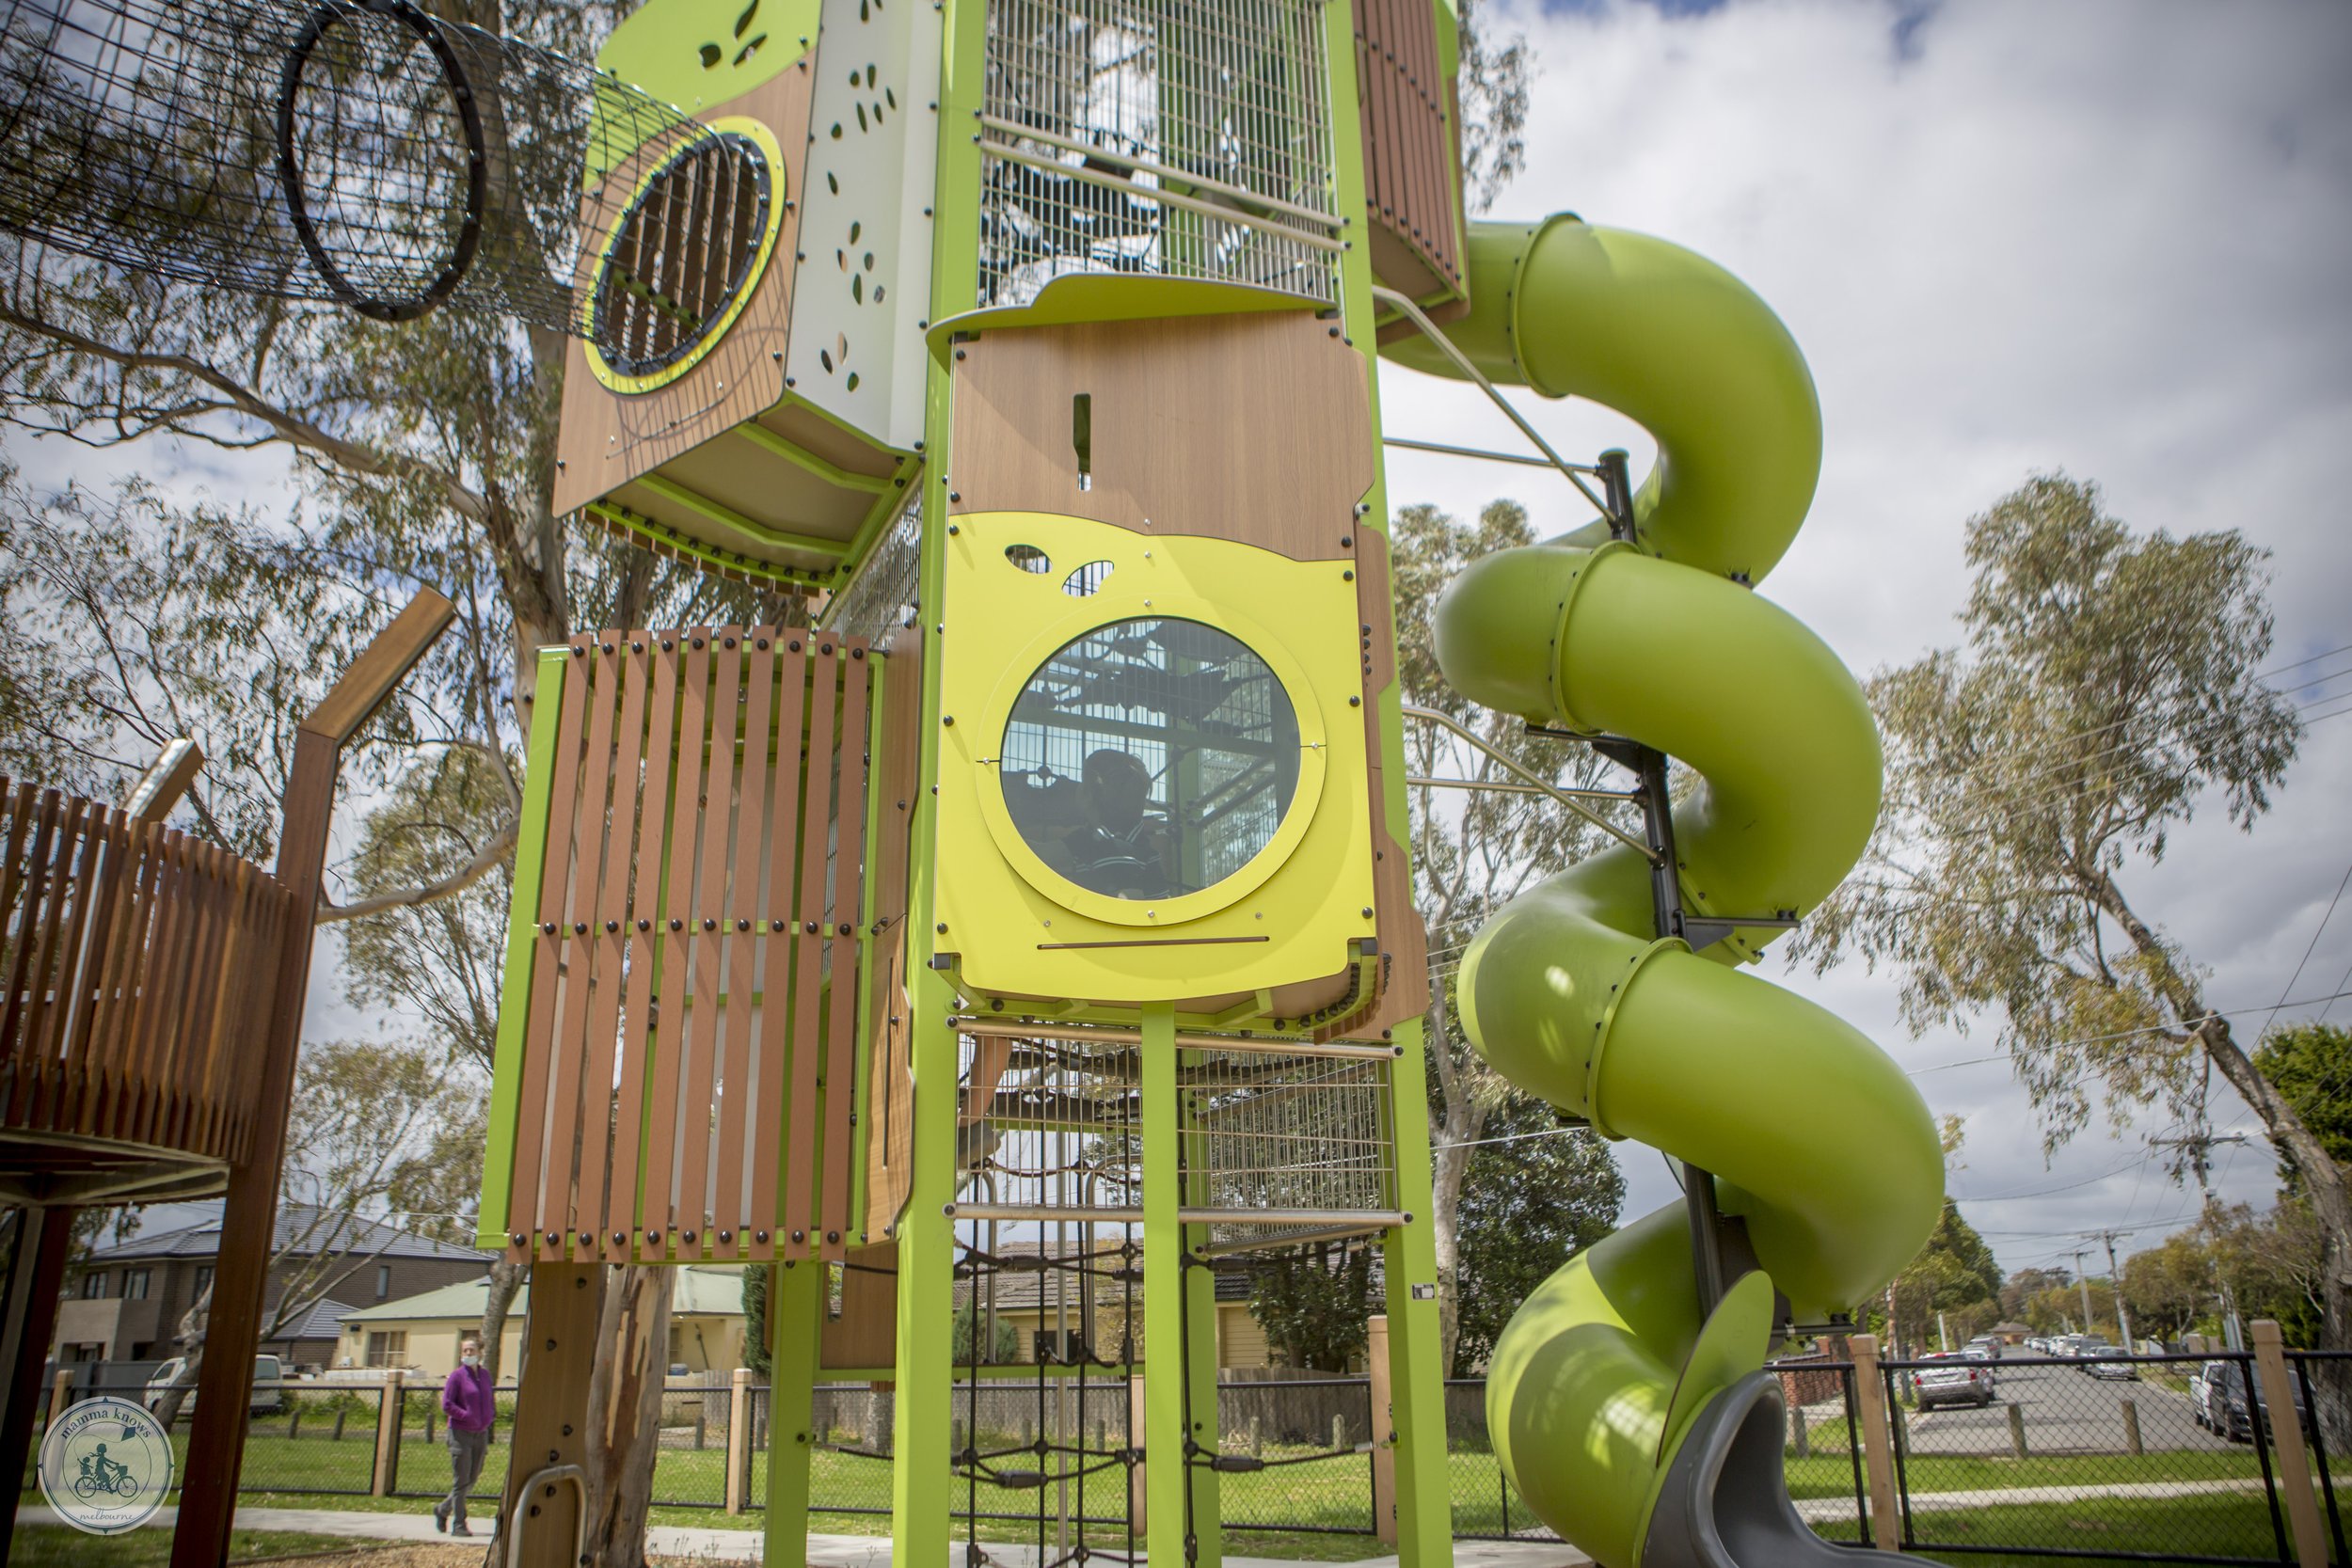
1254,874
779,197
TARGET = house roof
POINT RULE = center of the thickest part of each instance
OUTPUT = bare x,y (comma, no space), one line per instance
322,1321
2012,1328
302,1228
707,1291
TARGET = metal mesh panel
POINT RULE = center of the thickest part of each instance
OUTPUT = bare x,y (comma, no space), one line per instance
359,151
1181,138
1277,1133
881,598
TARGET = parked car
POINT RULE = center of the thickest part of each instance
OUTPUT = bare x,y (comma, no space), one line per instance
267,1396
1953,1380
1986,1343
2083,1347
2107,1361
2221,1401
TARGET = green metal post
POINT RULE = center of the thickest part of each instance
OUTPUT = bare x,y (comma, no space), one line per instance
1425,1517
1166,1471
796,1312
1199,1351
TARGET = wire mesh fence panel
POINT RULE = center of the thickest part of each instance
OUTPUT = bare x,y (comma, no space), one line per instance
1308,1444
1485,1505
307,1438
2164,1458
690,1466
1821,1448
2323,1387
425,1459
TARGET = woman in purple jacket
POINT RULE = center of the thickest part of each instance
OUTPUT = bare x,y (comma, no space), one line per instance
469,1403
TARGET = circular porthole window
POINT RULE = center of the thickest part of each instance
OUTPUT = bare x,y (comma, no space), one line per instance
1149,758
680,264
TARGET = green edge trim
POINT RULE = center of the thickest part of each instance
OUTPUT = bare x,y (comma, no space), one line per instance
522,931
832,473
728,518
861,1051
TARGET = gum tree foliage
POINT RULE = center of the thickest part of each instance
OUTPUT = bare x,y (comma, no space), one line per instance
1527,1205
2105,690
1473,851
1314,1302
1494,78
2312,1066
1954,1273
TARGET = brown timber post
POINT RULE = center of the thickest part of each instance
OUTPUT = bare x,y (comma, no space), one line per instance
540,1527
384,1478
739,1440
1878,1458
2286,1441
208,1497
1383,1430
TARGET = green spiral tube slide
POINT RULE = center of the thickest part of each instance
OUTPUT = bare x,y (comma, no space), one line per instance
1638,1429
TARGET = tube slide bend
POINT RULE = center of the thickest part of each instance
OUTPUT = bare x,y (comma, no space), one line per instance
1637,1430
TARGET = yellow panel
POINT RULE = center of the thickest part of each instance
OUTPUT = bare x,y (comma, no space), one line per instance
1288,914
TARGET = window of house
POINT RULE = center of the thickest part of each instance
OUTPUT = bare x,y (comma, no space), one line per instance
383,1280
135,1283
93,1287
388,1347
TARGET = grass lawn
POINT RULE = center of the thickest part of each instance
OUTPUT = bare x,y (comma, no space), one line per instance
2218,1526
40,1546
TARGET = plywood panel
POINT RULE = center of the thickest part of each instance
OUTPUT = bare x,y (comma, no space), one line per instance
1250,427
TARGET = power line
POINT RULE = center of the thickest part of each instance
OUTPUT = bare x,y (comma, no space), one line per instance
2126,1033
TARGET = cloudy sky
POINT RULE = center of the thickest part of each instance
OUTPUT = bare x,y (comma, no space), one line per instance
2110,238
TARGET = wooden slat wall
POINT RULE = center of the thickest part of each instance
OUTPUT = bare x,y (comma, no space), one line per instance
1410,147
135,963
890,1075
698,913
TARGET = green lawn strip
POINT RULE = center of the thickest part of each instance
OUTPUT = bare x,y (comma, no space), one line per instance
1824,1475
2210,1524
38,1545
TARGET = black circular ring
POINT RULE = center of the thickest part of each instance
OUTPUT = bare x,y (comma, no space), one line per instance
477,160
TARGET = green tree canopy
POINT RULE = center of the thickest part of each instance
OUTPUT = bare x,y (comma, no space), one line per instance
1531,1200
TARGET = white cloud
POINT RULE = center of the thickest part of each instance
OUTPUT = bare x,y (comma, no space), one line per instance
2102,236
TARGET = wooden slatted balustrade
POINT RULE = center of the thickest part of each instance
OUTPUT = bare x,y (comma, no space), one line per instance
684,1083
137,964
1411,125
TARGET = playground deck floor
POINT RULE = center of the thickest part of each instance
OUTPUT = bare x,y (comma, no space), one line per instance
717,1546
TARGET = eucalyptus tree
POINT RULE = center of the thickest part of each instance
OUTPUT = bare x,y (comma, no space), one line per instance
2106,690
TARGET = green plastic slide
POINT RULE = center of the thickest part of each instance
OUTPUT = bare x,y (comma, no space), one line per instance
1637,1430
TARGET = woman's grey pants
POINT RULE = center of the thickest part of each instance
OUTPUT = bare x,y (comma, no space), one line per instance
467,1450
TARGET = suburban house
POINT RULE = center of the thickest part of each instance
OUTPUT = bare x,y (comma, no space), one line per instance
1041,1304
124,1302
420,1333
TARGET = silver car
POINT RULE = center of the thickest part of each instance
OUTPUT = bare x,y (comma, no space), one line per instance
1954,1380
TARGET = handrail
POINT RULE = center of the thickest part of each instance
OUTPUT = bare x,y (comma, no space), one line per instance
1540,784
1430,330
548,1475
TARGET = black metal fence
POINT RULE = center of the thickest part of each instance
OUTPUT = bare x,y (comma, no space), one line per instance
2140,1458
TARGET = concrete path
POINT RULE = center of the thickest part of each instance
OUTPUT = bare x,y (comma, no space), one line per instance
831,1551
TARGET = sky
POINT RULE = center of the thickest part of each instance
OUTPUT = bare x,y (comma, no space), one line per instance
2101,236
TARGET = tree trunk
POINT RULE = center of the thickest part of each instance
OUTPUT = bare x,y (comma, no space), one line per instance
624,1413
507,1278
191,1339
1447,1165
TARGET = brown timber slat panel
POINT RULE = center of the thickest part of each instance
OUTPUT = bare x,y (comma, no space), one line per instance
697,1094
127,954
545,973
801,1151
1404,940
890,1085
623,1213
696,850
731,1209
1411,147
775,1017
848,883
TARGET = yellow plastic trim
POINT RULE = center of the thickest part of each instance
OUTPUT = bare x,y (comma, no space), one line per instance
765,140
1142,600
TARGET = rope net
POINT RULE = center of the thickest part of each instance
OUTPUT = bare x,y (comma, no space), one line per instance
365,154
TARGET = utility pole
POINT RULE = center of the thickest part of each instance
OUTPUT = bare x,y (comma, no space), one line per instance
2202,1146
2083,1279
2114,1277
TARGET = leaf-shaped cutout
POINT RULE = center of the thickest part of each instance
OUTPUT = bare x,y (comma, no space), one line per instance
742,23
750,49
841,345
852,382
861,118
857,287
824,358
869,77
1029,559
712,54
877,293
855,229
830,183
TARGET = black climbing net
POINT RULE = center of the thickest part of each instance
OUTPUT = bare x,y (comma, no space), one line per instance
359,151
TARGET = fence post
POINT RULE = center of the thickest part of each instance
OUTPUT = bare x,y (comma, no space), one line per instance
388,1415
1383,1430
1800,1427
2131,1428
1878,1459
60,1395
2016,1430
2286,1437
739,1440
1137,1494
